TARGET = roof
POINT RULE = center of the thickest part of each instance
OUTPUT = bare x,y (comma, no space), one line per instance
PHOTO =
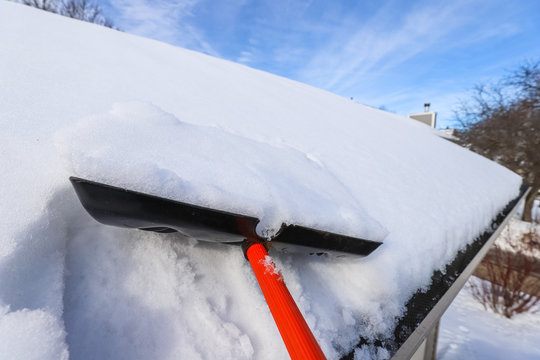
78,99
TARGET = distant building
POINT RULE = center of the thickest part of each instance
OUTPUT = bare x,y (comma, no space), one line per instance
427,117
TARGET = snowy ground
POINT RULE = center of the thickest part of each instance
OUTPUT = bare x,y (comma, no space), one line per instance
467,331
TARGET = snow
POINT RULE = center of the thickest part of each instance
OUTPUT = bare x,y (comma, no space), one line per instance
211,167
31,335
78,99
467,331
270,267
511,238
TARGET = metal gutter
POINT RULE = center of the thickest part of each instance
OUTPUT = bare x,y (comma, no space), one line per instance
415,339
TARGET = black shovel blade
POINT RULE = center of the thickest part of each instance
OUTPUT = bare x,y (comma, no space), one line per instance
116,206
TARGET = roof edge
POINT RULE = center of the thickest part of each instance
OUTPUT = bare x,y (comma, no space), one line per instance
448,285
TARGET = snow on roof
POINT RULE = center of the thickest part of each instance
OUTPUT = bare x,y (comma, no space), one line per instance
78,99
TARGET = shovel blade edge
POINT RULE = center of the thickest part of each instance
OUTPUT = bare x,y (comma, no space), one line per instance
116,206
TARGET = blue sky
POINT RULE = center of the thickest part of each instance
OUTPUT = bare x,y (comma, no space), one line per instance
388,53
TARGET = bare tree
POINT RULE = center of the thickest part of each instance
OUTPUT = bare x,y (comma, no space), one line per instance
510,282
84,10
502,122
47,5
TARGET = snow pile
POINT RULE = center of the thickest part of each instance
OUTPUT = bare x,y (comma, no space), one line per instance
77,99
140,147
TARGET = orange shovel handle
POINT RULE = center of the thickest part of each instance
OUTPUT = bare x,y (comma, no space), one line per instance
297,336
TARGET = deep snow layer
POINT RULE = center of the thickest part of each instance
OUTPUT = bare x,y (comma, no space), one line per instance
139,146
77,99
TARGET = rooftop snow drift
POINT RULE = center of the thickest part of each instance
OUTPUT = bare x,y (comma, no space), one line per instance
78,99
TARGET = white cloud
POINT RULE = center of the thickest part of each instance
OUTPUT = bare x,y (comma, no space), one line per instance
162,20
392,36
384,40
245,57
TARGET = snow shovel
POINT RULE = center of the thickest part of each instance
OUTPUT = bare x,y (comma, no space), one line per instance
125,208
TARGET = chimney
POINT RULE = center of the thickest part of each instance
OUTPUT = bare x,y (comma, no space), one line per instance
427,117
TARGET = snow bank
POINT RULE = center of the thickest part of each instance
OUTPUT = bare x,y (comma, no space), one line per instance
77,99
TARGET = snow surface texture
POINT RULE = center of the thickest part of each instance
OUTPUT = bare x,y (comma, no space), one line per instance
467,331
77,99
